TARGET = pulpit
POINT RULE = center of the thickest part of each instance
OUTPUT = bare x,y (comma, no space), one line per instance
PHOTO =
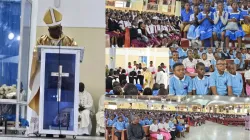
59,89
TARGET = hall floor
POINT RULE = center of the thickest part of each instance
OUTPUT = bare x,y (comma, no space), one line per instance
214,131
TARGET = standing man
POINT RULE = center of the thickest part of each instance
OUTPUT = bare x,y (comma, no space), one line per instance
56,37
85,110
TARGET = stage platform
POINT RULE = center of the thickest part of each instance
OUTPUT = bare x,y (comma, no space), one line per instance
11,137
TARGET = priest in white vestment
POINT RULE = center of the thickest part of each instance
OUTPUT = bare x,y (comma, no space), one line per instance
86,110
161,77
100,117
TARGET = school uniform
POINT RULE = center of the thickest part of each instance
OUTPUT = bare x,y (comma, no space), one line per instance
151,30
237,83
228,8
185,17
119,126
210,56
206,27
232,56
225,55
237,62
213,62
245,27
172,62
142,122
189,65
247,56
182,53
135,37
220,22
233,35
149,121
194,29
180,87
201,86
155,92
221,82
243,56
207,64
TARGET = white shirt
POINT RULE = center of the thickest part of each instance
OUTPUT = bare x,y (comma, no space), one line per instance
189,64
149,30
166,126
207,63
210,56
153,128
247,56
123,24
130,69
164,28
160,77
160,125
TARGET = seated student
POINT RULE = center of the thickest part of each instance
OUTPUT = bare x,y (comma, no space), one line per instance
220,21
196,54
248,54
169,129
233,29
237,81
136,36
185,18
113,30
154,130
149,120
194,32
247,78
150,33
180,84
245,18
156,88
220,81
239,61
214,61
182,51
173,60
200,82
163,131
244,53
119,127
135,130
179,126
210,55
225,54
206,25
228,6
143,34
231,54
206,62
111,120
189,63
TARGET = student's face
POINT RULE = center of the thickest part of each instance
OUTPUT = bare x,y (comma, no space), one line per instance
196,9
204,57
210,50
232,68
120,119
239,55
179,71
187,6
175,55
190,54
206,7
129,64
234,6
220,6
221,65
231,52
200,70
155,121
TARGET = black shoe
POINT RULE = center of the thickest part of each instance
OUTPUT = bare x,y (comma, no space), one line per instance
62,136
49,135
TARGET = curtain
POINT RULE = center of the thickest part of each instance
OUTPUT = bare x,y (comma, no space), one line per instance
9,41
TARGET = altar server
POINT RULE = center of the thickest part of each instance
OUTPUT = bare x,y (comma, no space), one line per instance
53,19
85,110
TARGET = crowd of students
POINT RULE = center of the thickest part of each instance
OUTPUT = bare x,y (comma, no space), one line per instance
137,80
209,71
219,21
146,29
165,123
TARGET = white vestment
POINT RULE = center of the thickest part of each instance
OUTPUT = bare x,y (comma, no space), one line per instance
86,100
100,116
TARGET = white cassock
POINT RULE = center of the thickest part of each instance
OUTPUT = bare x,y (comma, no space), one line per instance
100,117
162,78
86,100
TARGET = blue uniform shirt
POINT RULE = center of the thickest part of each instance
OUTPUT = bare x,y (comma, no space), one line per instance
221,82
213,62
185,17
172,62
237,62
237,84
201,85
142,122
182,53
119,125
180,87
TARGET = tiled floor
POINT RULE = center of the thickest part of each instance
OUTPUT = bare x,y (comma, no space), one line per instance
214,131
209,131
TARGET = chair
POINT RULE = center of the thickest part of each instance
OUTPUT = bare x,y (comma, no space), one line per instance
108,133
184,42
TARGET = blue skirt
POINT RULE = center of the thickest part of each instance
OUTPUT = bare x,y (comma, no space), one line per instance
218,31
193,32
205,33
233,35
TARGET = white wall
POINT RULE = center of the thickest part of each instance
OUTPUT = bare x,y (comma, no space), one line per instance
76,13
